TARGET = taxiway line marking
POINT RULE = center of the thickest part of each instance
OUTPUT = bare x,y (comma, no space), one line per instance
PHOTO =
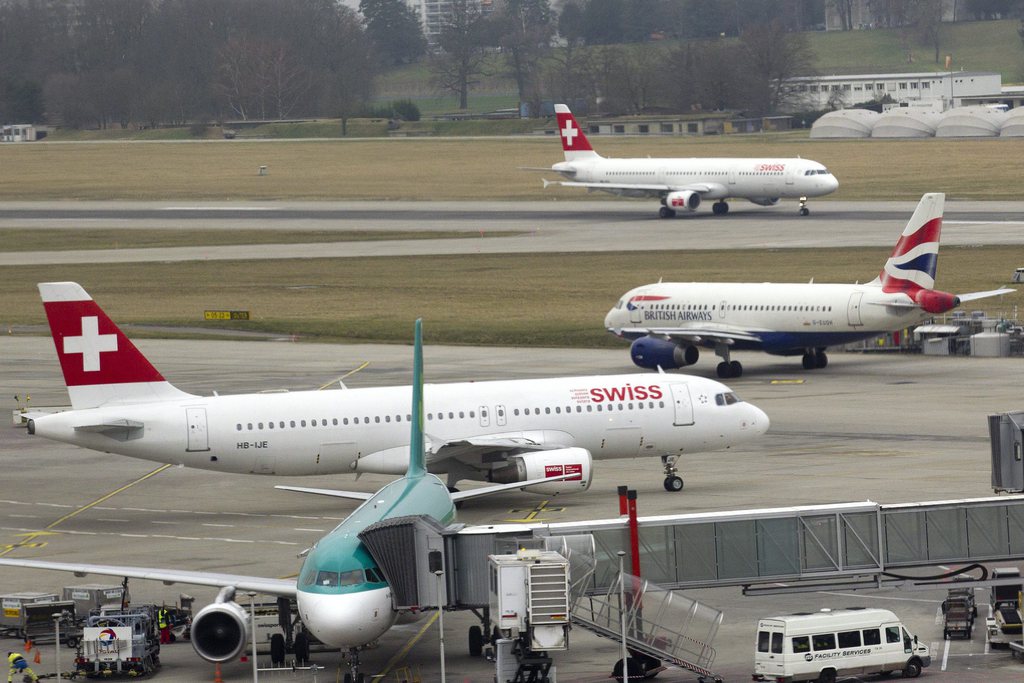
51,525
405,650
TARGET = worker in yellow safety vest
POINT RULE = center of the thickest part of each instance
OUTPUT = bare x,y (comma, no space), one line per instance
16,664
163,622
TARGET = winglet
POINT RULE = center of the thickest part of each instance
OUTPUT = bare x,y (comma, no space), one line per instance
417,459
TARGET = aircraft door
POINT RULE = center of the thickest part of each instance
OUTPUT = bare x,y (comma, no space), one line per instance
485,417
682,403
791,174
198,437
621,442
732,176
500,416
337,456
636,315
853,309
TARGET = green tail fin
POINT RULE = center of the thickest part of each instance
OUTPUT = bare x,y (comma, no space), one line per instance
417,456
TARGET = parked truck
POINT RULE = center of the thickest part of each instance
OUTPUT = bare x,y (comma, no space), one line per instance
1004,624
121,642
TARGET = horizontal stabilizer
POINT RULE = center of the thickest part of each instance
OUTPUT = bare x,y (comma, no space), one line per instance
282,587
350,495
983,295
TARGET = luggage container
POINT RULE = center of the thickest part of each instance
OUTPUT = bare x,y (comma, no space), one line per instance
959,611
39,626
12,620
93,596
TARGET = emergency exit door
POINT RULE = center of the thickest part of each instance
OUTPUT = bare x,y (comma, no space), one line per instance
195,419
853,310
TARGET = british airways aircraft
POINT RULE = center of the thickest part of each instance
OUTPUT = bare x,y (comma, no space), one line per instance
683,184
343,597
668,321
501,432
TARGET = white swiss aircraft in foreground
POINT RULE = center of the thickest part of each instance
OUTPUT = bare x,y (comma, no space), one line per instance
683,184
668,321
500,432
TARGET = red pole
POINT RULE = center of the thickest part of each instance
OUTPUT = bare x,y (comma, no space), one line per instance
634,532
622,500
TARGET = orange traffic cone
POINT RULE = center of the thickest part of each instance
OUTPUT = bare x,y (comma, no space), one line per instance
28,646
36,659
216,674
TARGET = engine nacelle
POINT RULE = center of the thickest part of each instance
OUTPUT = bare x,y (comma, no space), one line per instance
934,301
684,200
764,201
652,353
554,463
220,630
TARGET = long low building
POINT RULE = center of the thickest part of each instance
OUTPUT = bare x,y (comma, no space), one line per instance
913,122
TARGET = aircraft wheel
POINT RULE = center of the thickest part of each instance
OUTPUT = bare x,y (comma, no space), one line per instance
301,648
735,369
277,649
691,355
720,208
722,370
804,211
820,359
666,212
476,641
673,484
809,362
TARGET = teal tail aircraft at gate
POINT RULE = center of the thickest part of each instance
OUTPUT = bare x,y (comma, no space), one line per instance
342,595
668,321
499,432
683,184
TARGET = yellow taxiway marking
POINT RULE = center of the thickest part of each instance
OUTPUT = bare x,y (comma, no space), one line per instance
787,381
533,515
405,650
31,536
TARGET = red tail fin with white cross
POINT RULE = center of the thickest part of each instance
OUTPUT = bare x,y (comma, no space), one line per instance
101,365
574,140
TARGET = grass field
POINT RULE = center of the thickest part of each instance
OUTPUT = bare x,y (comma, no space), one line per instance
517,299
473,168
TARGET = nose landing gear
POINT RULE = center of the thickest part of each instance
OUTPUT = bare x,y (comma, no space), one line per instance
673,482
804,211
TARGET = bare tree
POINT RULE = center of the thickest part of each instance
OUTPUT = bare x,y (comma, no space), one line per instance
844,9
926,18
462,43
770,56
525,28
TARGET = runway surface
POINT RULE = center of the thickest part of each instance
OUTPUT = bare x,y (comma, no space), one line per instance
887,428
601,225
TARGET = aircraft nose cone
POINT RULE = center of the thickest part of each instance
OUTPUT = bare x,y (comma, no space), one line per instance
832,184
760,420
347,620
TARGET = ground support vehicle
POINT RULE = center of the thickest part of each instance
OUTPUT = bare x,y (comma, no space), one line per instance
12,617
959,611
1003,626
822,646
123,642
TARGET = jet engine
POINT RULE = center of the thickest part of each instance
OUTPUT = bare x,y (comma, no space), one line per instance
653,353
934,301
685,199
553,463
764,201
221,629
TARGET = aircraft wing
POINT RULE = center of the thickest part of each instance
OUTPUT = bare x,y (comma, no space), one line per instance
281,587
611,187
695,335
457,496
477,448
350,495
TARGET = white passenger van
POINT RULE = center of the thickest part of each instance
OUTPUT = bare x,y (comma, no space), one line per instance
821,646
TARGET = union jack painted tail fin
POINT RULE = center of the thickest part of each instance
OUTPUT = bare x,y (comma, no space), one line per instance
911,268
101,365
574,141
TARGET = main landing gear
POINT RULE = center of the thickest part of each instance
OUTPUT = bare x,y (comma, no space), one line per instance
727,369
666,212
815,359
804,211
673,482
720,208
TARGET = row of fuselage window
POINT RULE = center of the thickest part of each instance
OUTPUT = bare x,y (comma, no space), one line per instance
823,642
451,415
738,307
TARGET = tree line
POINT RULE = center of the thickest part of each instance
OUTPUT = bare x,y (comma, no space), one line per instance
148,63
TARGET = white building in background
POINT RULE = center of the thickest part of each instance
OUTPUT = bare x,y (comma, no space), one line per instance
433,15
930,90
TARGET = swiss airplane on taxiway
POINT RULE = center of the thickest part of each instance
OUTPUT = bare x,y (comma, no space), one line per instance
683,184
668,321
501,431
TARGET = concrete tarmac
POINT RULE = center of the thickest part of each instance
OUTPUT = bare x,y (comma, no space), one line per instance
887,428
555,226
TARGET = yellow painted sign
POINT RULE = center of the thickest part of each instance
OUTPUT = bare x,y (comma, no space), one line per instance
226,315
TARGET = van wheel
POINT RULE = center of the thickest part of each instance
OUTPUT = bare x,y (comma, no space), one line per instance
912,669
827,676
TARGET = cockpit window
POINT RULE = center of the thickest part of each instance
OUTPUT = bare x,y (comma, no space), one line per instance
618,305
351,578
726,399
327,578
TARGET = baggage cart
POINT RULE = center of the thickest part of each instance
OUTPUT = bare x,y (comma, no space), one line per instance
959,611
12,618
39,626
